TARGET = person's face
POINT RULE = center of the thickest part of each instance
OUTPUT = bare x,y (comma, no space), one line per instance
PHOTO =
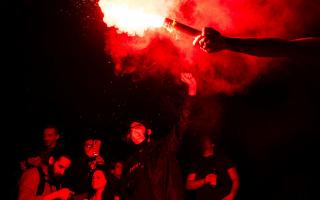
92,147
50,137
137,132
60,166
99,180
118,169
207,145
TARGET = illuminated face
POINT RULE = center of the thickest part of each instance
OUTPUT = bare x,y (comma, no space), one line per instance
50,137
92,147
99,180
60,166
137,132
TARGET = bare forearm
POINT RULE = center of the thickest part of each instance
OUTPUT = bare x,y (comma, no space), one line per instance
234,188
232,172
193,185
29,196
51,196
273,47
260,47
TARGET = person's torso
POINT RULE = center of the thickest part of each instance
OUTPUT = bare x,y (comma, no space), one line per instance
213,165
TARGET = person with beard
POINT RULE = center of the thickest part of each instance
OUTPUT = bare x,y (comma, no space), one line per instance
152,170
45,181
210,41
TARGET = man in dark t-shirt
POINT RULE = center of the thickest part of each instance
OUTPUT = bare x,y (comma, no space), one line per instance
213,176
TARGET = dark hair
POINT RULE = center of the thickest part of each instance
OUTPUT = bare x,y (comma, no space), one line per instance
49,125
144,122
58,153
91,134
106,194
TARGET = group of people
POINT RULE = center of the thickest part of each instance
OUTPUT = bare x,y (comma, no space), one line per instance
152,170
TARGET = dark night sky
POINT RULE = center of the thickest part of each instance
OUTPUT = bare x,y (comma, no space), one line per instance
271,130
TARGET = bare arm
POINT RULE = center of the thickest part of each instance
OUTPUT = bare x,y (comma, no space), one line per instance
274,47
232,172
190,81
192,183
62,194
28,185
174,138
212,41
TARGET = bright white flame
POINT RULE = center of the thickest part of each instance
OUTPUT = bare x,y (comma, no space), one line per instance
134,16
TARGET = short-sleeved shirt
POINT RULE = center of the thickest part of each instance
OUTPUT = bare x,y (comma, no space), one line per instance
218,165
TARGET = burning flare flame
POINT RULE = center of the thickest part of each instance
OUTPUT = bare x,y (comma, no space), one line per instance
134,17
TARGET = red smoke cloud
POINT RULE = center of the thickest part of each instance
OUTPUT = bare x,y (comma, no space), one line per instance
159,51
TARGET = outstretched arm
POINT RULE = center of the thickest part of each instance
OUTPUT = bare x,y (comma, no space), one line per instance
191,83
211,41
174,139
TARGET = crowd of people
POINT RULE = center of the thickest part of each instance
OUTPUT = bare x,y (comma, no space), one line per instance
151,171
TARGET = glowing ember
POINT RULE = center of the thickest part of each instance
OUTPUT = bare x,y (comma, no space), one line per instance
134,16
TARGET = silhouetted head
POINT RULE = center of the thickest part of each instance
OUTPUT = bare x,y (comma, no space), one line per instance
50,136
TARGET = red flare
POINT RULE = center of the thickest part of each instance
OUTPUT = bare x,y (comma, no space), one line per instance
178,26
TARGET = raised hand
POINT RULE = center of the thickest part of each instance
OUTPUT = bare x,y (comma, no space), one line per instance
191,82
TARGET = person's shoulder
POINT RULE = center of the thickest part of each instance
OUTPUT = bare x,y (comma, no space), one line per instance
32,171
30,175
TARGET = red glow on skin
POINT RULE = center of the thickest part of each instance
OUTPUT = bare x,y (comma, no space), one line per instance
99,180
225,72
61,165
92,147
137,132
